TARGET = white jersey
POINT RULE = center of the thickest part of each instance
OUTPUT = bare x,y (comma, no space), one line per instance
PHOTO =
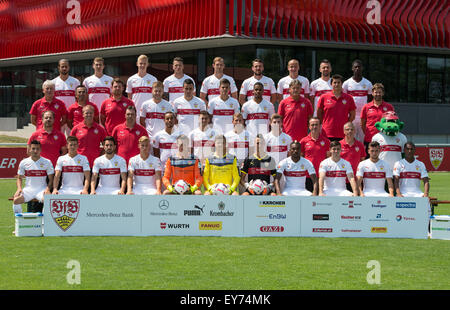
139,90
211,84
391,147
203,142
318,88
374,176
248,84
109,171
72,169
238,144
410,175
99,89
174,86
144,170
35,172
335,175
277,146
257,116
167,144
359,92
154,115
188,111
222,113
283,86
295,174
65,90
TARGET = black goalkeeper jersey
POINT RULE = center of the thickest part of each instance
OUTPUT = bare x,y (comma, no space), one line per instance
259,168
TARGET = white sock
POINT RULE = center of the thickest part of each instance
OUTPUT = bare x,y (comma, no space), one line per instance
17,208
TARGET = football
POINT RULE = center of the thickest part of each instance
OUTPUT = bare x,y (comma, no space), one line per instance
257,187
181,187
221,189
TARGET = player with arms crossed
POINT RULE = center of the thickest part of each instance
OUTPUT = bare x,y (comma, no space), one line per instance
144,171
35,169
75,171
295,169
373,172
332,174
112,171
182,172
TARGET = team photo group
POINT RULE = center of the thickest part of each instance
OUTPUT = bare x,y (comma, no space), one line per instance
334,136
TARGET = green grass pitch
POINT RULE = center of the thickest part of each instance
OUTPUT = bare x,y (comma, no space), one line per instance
219,263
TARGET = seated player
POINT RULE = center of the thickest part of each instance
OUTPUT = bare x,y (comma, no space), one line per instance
295,169
221,168
277,141
374,172
75,170
240,141
202,138
259,166
35,169
332,174
182,172
408,172
144,171
111,169
164,141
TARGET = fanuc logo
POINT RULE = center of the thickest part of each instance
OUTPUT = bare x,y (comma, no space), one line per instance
210,226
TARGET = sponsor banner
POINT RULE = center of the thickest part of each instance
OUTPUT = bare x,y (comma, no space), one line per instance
318,217
271,216
435,158
191,216
10,157
86,215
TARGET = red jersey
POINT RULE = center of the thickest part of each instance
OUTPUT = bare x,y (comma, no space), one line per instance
41,105
353,153
127,140
295,116
372,114
75,113
89,140
315,150
115,112
51,143
335,113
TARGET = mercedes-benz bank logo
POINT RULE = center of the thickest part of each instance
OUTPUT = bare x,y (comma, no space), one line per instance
163,205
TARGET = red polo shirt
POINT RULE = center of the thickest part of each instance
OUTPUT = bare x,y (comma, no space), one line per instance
127,139
51,143
315,150
41,105
295,116
115,112
335,113
372,114
75,113
89,140
353,153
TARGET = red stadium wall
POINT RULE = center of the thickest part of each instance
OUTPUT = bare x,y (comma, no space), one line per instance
37,27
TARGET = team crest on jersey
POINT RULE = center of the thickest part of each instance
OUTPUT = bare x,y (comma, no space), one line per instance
96,131
78,161
436,157
302,167
116,163
163,109
56,137
322,143
138,132
357,149
381,168
64,212
397,140
41,165
343,166
283,141
302,105
230,105
265,109
124,104
417,168
384,109
56,106
106,82
344,101
71,85
195,105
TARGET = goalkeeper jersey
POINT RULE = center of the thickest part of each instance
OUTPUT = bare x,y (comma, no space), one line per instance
221,170
186,169
259,168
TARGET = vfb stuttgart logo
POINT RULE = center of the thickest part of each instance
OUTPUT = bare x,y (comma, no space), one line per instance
64,212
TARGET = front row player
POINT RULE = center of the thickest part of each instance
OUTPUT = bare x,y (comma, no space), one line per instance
374,172
75,171
111,169
144,171
295,169
333,172
35,169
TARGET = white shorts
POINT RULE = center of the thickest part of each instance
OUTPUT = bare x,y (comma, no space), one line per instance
296,192
144,190
337,192
107,191
70,191
375,194
33,193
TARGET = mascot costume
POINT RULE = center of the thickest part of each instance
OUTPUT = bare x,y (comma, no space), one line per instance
391,140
